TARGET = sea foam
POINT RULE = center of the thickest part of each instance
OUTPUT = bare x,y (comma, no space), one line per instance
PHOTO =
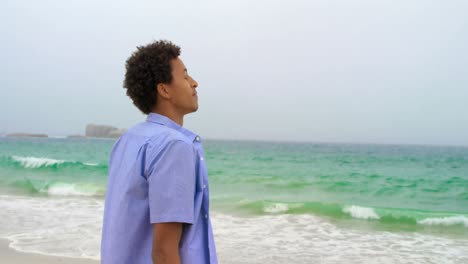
91,164
276,208
71,226
65,189
33,162
304,239
361,212
445,221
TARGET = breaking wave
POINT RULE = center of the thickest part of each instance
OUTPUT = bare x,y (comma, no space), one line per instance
399,216
47,163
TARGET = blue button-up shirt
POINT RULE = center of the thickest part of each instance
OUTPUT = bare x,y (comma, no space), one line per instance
157,174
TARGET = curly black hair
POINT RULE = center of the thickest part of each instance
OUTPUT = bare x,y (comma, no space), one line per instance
147,67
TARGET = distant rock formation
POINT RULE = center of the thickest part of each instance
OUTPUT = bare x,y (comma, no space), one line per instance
103,131
27,135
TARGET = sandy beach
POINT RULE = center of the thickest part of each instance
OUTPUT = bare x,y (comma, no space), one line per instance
11,256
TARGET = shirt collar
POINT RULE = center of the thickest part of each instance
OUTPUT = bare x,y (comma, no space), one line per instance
165,121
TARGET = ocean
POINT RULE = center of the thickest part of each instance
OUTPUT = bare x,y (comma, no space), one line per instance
271,202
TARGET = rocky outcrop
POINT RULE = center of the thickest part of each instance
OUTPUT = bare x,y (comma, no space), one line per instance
26,135
103,131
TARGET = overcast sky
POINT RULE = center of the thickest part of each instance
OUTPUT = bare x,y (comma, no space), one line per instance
322,71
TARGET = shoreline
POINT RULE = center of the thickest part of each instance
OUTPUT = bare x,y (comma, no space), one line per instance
11,256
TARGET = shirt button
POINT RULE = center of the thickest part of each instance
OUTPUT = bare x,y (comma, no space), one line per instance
201,158
206,216
197,138
204,186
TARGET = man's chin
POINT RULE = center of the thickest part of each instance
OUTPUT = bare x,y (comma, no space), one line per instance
193,110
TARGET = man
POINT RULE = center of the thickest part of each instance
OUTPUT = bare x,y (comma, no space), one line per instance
157,199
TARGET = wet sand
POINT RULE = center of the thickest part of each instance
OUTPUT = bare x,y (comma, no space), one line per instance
11,256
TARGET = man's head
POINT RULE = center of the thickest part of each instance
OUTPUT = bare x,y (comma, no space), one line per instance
157,76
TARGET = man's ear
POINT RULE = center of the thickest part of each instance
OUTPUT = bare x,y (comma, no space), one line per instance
163,90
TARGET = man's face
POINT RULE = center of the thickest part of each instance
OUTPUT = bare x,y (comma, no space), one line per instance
182,88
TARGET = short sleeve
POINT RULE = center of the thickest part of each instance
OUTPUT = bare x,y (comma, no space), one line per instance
171,184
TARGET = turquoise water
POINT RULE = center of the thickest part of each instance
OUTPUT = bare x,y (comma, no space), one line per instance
380,186
389,184
271,202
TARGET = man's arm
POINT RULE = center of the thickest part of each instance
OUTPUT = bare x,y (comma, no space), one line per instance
166,238
171,192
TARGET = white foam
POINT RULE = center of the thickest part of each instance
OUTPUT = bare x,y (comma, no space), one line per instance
65,226
33,162
361,212
445,221
305,239
276,208
91,164
65,189
71,226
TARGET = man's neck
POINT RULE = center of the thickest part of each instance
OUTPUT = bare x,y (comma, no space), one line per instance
174,116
